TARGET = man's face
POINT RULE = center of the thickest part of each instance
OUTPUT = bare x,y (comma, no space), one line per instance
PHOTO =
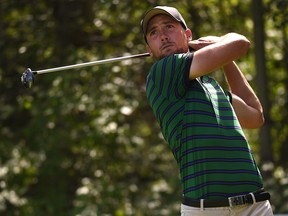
166,36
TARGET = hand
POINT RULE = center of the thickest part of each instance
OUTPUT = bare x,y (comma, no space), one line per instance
203,42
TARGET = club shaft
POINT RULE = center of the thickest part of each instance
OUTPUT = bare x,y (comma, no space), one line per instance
87,64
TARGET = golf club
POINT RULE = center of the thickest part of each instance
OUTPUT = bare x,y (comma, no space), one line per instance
27,77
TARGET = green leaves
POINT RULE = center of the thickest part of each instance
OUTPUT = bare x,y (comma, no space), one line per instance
85,141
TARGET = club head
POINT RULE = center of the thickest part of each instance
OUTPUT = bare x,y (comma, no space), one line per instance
27,78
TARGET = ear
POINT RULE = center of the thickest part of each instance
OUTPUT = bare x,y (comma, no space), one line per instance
149,50
189,34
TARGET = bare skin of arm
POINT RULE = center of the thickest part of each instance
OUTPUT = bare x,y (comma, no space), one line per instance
245,102
216,52
213,53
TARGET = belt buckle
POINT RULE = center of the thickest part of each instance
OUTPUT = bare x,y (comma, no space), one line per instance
236,201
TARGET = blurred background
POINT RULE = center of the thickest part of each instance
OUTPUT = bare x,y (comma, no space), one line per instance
85,142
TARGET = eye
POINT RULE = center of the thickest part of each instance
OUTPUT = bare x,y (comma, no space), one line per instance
169,26
152,33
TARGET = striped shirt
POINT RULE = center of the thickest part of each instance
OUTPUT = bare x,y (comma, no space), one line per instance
199,124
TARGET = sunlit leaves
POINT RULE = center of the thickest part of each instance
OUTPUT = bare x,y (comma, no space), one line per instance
85,141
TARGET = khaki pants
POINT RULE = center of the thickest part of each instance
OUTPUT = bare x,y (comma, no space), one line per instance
257,209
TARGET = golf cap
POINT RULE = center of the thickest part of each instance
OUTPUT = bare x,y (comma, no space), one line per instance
170,11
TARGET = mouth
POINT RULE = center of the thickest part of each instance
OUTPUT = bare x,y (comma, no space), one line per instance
166,46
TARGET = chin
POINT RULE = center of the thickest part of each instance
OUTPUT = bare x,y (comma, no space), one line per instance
169,52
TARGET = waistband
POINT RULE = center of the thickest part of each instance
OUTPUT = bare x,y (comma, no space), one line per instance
246,199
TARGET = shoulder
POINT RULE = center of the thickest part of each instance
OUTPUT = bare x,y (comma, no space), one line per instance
173,59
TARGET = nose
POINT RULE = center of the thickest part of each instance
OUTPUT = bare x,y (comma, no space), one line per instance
163,35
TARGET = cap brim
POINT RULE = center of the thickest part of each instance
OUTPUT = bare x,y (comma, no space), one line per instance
150,14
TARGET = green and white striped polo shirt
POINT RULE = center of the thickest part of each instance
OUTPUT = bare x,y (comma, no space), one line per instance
204,135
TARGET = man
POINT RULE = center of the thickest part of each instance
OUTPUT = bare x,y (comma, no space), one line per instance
201,122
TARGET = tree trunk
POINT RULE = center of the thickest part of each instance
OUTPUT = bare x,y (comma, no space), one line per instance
266,153
284,145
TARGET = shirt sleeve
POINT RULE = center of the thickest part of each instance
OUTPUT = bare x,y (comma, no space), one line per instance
229,96
170,75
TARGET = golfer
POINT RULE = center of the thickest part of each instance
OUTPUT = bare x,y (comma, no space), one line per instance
201,122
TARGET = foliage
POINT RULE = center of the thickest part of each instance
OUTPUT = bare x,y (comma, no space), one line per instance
85,141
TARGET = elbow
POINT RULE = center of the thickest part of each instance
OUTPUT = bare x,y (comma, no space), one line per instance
246,45
243,45
261,119
259,122
254,123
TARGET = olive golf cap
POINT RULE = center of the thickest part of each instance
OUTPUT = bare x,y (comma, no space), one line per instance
170,11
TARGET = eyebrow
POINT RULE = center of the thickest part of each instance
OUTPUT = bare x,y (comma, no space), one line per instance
149,29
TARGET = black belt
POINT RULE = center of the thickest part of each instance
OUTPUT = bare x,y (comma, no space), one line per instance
230,202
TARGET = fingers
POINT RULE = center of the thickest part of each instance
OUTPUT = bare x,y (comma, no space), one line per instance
195,45
199,44
203,42
209,38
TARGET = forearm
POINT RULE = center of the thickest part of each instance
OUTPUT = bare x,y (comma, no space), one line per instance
239,85
214,52
244,100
